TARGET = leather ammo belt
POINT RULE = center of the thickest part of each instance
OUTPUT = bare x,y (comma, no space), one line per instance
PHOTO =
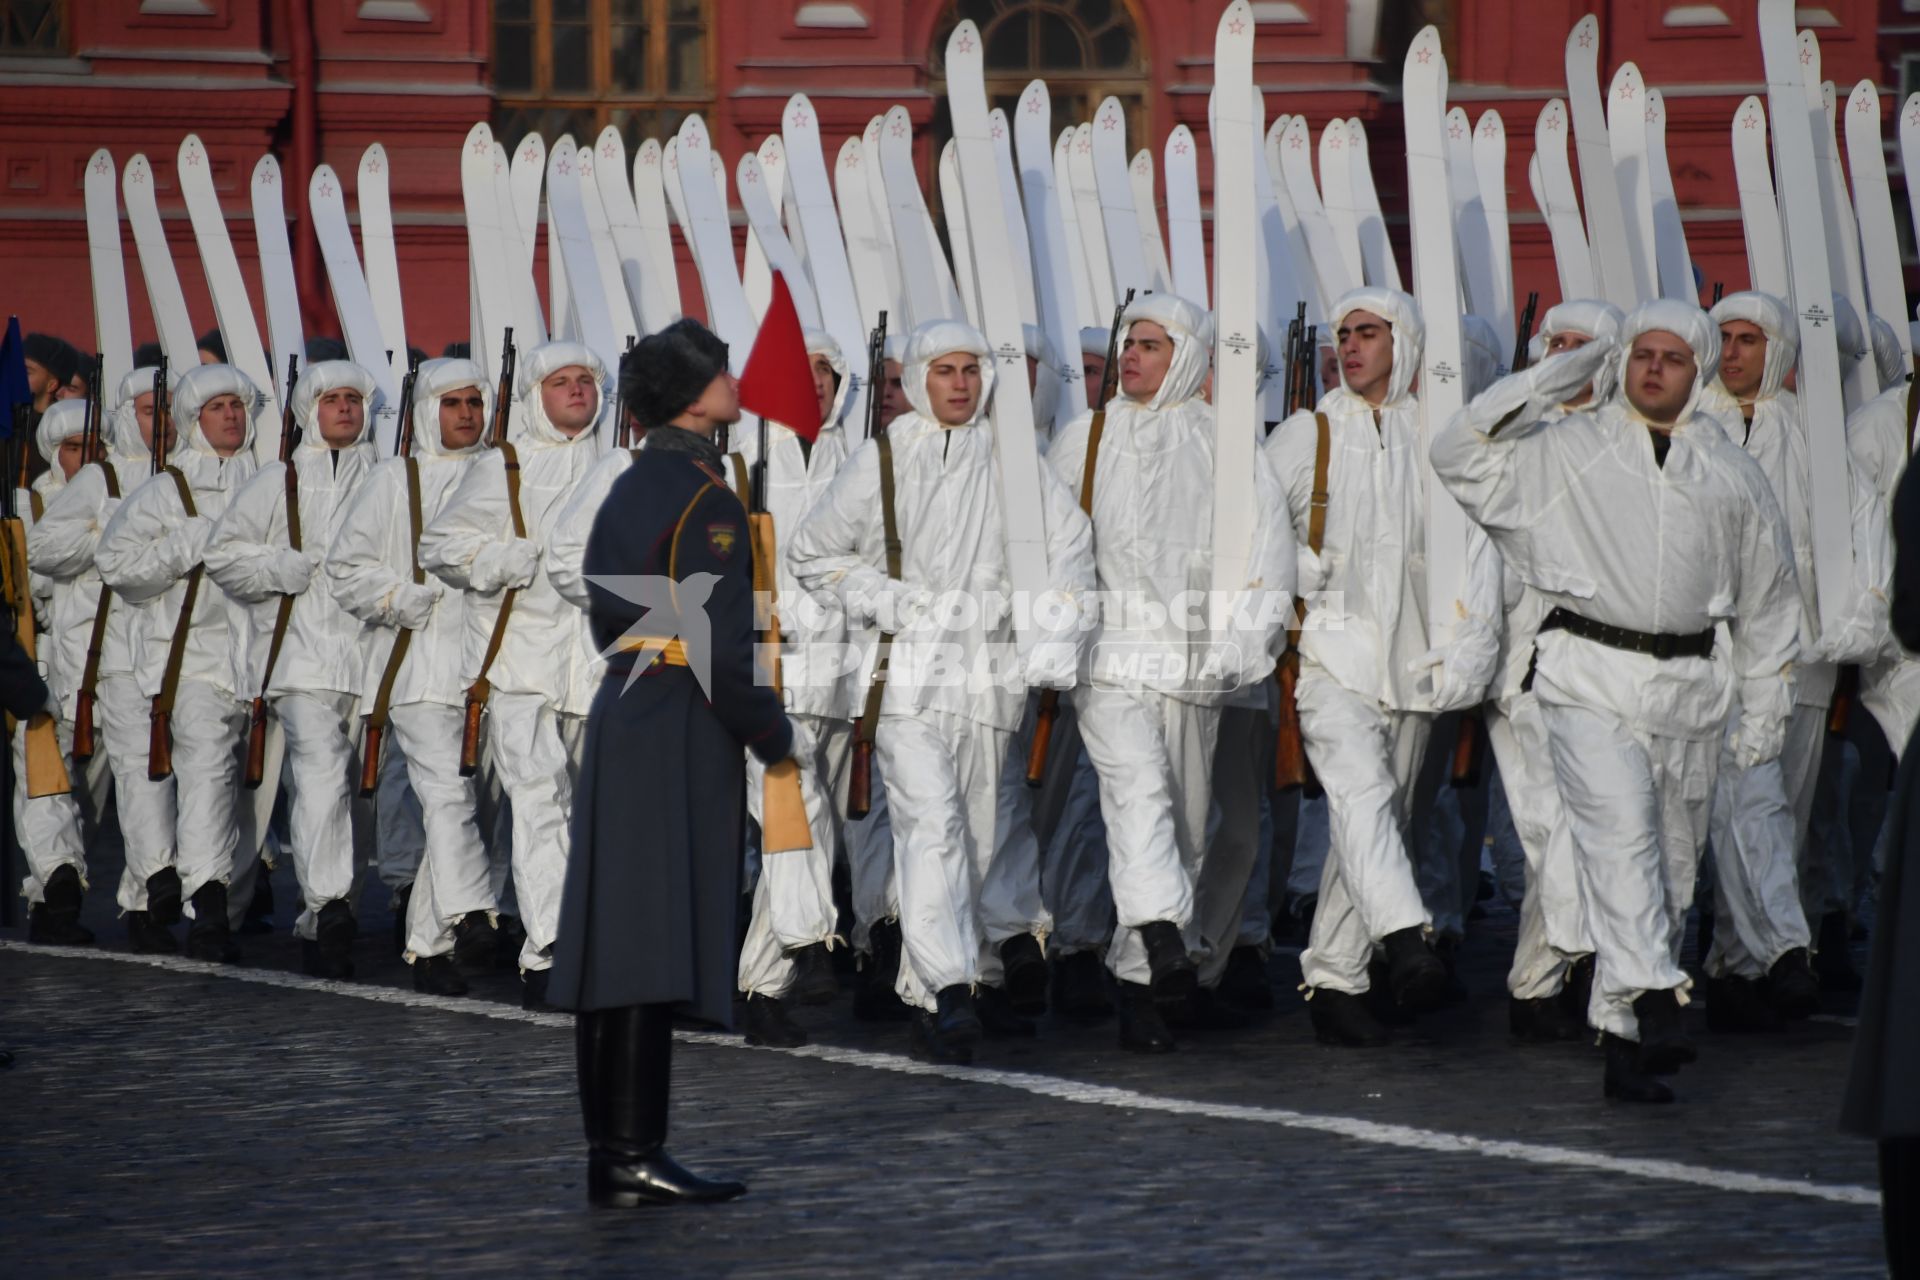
1656,644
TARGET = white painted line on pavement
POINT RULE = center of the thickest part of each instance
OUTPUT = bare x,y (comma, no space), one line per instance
1064,1090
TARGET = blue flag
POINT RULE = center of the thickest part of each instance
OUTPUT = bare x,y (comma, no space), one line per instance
14,389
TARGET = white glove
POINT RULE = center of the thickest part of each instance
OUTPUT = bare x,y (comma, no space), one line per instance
192,536
505,564
1460,670
993,594
1859,638
899,606
1555,379
1051,664
1312,570
290,571
413,603
805,746
1755,743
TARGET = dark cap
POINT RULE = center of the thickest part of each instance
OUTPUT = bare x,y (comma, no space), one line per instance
668,370
56,355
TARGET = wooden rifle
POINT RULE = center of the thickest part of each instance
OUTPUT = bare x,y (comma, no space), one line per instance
860,769
160,735
783,808
876,376
481,690
1524,338
1291,768
622,430
1049,709
374,722
92,451
256,766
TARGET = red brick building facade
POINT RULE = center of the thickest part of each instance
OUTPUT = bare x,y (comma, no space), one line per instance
318,80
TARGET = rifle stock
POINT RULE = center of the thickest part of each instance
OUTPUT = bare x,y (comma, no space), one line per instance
860,780
160,746
83,741
1467,753
470,727
370,742
374,722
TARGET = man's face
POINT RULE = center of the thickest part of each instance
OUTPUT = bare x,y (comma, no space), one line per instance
72,455
463,416
341,414
1366,354
42,382
223,424
1743,355
825,383
1329,367
893,395
1660,374
719,403
571,397
953,385
1144,359
76,389
1094,370
1560,343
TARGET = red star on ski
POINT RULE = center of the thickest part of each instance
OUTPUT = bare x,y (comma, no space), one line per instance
1749,122
853,160
1863,106
1653,117
1914,116
1033,106
1293,143
326,190
1486,128
586,168
965,44
1111,123
101,166
1424,55
1453,130
1553,123
751,177
1237,26
693,140
1806,57
607,148
193,159
772,160
1180,148
998,133
1586,39
899,128
373,166
1086,145
800,118
1334,143
529,155
138,177
561,166
267,177
480,147
497,166
1627,90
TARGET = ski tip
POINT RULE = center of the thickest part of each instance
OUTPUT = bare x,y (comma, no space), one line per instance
532,150
191,151
324,185
747,171
1237,22
1033,98
1425,51
897,124
693,132
1295,134
480,138
850,155
611,147
800,115
1491,126
1278,129
1583,41
1143,162
1656,110
1865,91
1627,83
266,171
1111,117
963,42
375,154
874,126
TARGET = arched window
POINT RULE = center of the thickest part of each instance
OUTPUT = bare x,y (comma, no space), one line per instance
1084,49
577,66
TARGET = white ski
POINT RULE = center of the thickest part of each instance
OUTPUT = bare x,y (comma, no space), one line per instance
754,180
1818,389
382,259
526,175
1759,209
1086,301
1490,167
1092,218
1910,161
1336,194
812,210
1472,243
1572,256
1613,269
711,235
1424,98
883,222
606,255
231,306
1675,264
1627,137
1185,235
677,201
1858,381
659,300
586,275
1016,450
1022,263
1236,360
1146,208
285,334
168,304
112,327
1873,205
565,317
921,262
610,175
1053,250
1118,219
354,305
866,255
1283,235
756,275
486,247
1382,267
953,205
1296,169
530,325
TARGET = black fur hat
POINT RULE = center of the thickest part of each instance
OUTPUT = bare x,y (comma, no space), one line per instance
667,371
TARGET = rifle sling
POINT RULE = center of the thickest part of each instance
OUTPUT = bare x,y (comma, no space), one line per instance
97,638
177,650
890,529
283,615
403,640
511,457
1316,504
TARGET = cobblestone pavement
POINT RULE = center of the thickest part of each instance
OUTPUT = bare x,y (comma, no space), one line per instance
166,1118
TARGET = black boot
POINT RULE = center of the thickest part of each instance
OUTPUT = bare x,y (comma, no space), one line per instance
402,899
1834,961
510,936
998,1018
1205,1011
814,981
1080,987
1343,1019
55,920
1664,1046
949,1033
1174,974
1578,992
438,976
330,953
1736,1005
1542,1021
767,1022
1415,975
874,999
533,991
1025,968
1246,983
259,916
210,937
1142,1029
149,937
625,1061
163,896
1790,986
476,944
1627,1080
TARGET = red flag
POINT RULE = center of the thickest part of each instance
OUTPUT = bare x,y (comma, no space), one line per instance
778,381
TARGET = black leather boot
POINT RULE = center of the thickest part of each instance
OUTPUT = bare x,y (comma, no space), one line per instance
998,1018
438,976
533,991
402,900
1416,976
330,953
1174,974
1790,986
163,896
1736,1005
1205,1011
55,920
1342,1019
259,916
951,1030
625,1059
476,944
874,999
1834,960
1246,983
210,937
1142,1028
1025,980
1080,987
1542,1021
149,937
1664,1045
1578,991
767,1022
1626,1079
814,981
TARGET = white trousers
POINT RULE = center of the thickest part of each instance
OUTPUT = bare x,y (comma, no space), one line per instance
146,807
1760,818
47,827
452,879
1242,774
1154,756
536,755
1366,758
1638,806
209,746
323,762
943,780
1552,923
793,895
